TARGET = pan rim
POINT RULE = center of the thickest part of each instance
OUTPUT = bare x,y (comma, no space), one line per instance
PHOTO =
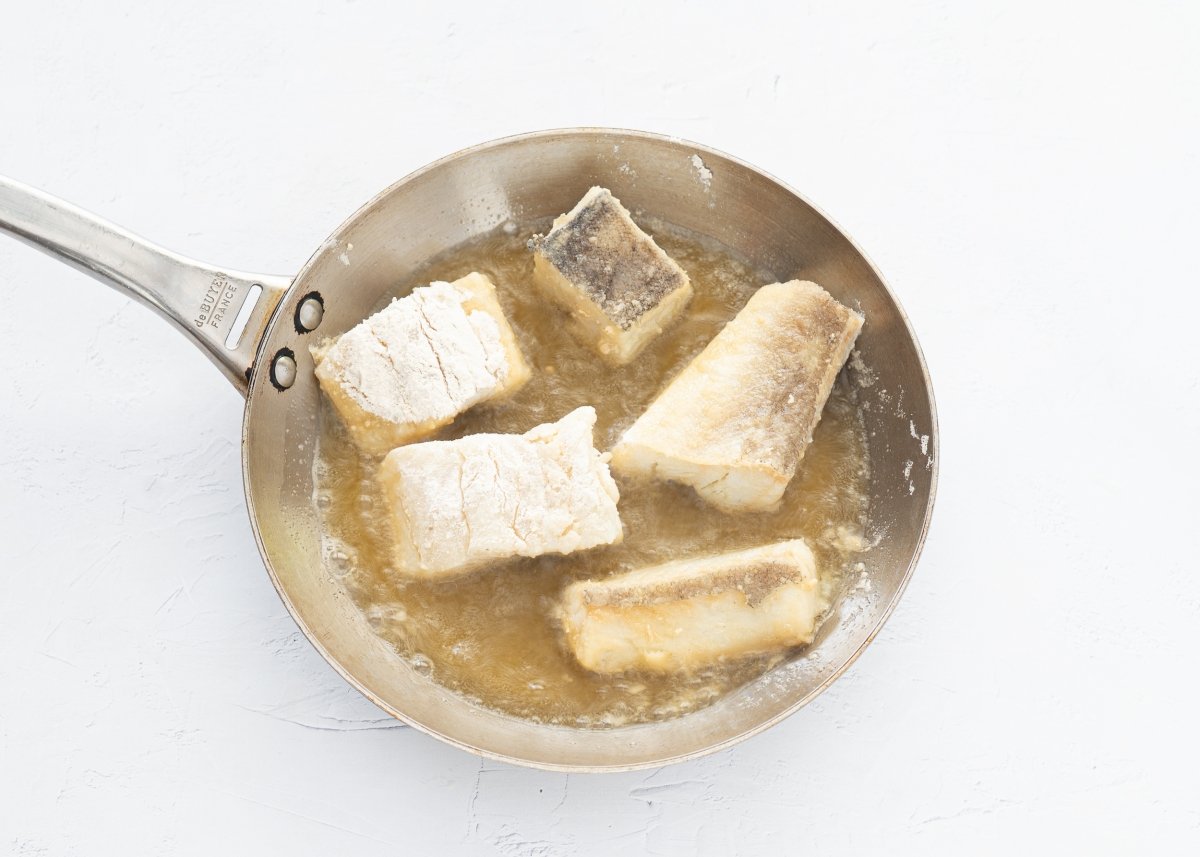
257,385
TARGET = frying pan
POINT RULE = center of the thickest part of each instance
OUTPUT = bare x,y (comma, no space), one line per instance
527,179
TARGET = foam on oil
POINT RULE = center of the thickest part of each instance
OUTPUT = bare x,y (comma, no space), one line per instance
491,635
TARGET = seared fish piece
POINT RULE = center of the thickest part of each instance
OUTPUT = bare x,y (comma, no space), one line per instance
619,287
455,505
694,612
421,361
736,421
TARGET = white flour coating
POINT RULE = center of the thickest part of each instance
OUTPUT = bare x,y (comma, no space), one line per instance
846,539
664,618
423,358
923,439
703,173
736,421
863,582
864,376
457,504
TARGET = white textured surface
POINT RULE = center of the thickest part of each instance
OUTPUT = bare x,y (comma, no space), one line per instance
457,504
419,362
1025,175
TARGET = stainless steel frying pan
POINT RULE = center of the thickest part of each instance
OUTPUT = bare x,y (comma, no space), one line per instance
527,179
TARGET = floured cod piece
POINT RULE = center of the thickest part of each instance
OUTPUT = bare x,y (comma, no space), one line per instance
736,421
456,505
619,287
691,613
422,360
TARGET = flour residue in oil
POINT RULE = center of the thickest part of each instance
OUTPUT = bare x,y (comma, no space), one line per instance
491,635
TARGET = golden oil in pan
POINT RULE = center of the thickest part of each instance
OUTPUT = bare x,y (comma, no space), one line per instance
491,635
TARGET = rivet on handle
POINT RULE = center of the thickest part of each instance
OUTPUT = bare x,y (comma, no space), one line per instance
309,312
283,369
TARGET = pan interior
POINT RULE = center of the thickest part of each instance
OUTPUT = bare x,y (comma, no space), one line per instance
527,180
493,635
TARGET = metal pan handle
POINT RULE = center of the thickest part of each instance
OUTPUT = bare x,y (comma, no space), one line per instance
202,301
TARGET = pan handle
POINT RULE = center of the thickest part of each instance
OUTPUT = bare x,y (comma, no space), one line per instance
202,301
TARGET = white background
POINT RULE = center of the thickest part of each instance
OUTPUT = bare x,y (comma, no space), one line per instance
1026,177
